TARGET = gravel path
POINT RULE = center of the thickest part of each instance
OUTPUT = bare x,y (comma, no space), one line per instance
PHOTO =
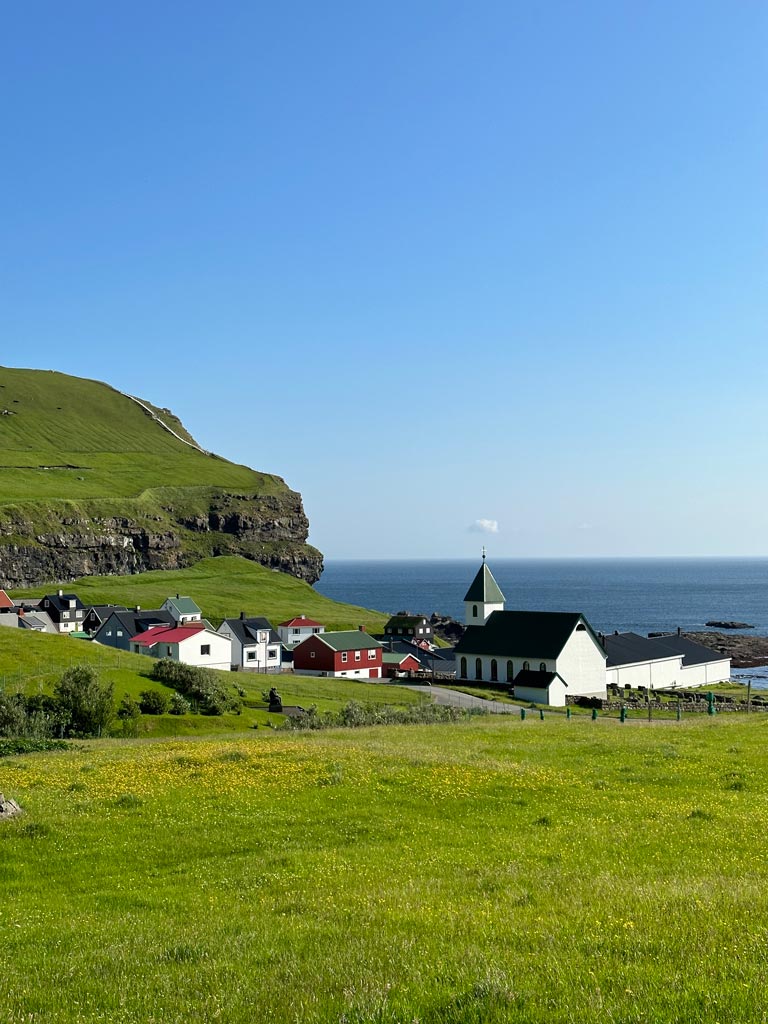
442,695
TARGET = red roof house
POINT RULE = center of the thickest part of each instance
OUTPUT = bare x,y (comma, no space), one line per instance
192,644
294,630
5,602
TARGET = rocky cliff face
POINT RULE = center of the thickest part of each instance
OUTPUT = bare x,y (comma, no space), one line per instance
63,541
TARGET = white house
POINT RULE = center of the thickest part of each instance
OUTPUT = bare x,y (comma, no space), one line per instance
662,662
192,644
255,645
546,656
294,631
183,609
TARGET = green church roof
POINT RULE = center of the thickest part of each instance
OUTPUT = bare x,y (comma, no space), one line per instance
484,588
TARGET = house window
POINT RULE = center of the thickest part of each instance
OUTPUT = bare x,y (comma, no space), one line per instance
494,670
262,638
372,655
357,655
478,668
205,649
272,653
474,611
343,655
250,656
526,666
65,615
510,671
311,654
169,651
543,667
119,632
463,668
315,629
295,630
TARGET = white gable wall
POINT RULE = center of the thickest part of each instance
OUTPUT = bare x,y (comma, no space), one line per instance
553,695
708,674
220,650
582,665
483,611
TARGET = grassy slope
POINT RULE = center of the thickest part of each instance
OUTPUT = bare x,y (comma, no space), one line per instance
499,871
117,448
223,587
32,662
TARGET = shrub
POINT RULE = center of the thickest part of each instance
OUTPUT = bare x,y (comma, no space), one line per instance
178,705
198,685
86,705
33,717
129,714
153,702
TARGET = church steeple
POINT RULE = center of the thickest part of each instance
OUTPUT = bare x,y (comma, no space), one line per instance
483,597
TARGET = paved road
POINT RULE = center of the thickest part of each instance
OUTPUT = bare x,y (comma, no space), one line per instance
442,695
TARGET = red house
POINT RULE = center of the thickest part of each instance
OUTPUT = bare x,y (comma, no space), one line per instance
5,602
400,664
350,653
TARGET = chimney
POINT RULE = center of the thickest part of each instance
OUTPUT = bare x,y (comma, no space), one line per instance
361,628
242,616
60,593
137,608
20,612
678,631
178,596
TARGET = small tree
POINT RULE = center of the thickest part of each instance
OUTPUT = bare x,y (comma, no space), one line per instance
86,704
129,714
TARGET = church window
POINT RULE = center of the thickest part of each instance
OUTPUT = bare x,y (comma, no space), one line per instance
478,668
474,611
543,667
510,671
526,666
463,668
494,670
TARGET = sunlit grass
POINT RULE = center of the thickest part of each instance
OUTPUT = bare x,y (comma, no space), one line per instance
495,871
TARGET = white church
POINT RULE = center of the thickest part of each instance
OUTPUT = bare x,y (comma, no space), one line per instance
549,656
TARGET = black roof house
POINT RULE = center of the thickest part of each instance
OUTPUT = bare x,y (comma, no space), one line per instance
247,629
632,649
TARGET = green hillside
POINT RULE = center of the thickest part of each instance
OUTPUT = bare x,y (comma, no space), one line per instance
69,438
31,663
84,467
223,587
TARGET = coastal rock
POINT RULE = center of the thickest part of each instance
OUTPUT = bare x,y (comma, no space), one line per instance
729,625
744,651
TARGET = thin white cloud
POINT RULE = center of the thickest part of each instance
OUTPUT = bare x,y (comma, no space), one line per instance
484,526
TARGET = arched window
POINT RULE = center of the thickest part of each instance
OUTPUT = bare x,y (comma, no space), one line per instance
543,667
474,611
494,670
463,668
526,666
478,668
510,671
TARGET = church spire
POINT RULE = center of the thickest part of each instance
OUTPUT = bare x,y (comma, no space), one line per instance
483,597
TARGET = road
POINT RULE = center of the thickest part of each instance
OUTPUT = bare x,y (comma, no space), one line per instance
442,695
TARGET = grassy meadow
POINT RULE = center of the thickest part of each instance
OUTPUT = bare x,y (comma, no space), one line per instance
490,871
223,587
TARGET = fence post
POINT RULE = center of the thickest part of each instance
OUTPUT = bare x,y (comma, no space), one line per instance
749,695
594,714
568,712
622,713
522,714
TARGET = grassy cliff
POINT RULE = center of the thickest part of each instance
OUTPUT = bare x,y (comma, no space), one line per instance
93,481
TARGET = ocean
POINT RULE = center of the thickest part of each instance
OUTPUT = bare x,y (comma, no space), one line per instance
638,594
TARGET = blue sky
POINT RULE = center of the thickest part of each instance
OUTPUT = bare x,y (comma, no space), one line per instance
433,263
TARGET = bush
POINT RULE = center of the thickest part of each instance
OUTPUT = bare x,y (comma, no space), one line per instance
129,714
198,685
178,705
353,715
153,702
34,717
86,705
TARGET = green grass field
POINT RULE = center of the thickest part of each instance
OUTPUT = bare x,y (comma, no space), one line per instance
494,871
223,587
114,448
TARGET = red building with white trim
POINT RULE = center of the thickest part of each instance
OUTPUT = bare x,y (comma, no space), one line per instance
348,653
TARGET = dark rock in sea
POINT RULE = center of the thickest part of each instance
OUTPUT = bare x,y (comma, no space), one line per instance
729,625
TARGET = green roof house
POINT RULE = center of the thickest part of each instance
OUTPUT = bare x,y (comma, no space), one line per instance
183,609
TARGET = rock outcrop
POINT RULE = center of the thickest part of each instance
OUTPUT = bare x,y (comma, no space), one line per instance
38,546
8,807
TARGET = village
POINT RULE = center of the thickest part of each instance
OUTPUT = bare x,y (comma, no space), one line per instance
545,658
